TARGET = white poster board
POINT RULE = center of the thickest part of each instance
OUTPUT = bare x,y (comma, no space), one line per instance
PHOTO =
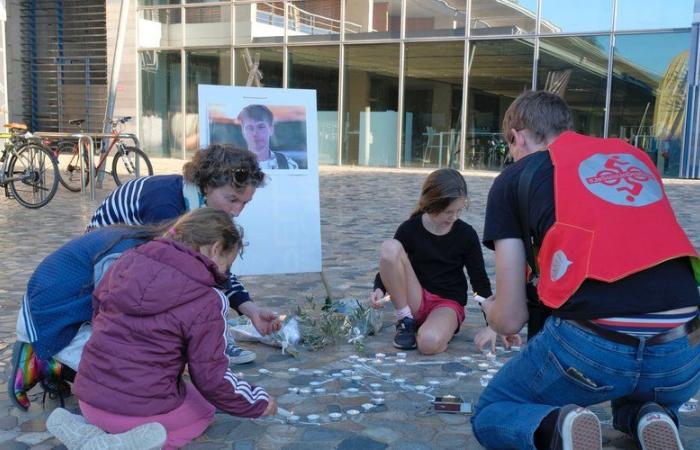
282,223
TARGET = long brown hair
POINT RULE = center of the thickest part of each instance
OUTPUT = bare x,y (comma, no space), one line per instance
441,188
207,226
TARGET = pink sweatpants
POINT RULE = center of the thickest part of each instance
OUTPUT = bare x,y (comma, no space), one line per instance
183,424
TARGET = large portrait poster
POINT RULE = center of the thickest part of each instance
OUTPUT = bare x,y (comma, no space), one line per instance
282,223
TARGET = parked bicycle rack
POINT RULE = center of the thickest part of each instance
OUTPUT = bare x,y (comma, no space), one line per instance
82,137
91,162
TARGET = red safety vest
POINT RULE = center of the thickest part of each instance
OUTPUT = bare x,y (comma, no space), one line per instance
613,218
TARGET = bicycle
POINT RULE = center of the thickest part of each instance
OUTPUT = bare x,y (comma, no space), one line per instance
127,163
29,170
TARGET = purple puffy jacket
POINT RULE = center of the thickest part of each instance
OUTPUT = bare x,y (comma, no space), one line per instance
156,310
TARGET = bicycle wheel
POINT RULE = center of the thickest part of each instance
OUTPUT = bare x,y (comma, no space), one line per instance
130,163
69,173
33,176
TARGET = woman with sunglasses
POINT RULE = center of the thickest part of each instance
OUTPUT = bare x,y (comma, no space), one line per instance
219,176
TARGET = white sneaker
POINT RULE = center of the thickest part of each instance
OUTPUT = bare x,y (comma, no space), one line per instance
656,430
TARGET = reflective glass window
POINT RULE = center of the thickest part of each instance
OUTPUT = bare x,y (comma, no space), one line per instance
208,25
495,17
372,19
160,27
653,14
649,90
432,104
313,20
202,67
558,16
158,2
269,66
443,18
370,105
160,103
576,69
499,71
317,68
258,22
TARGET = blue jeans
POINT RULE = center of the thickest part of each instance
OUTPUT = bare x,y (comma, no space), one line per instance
536,382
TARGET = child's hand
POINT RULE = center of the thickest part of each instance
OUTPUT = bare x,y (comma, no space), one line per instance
271,409
511,340
264,320
375,299
486,336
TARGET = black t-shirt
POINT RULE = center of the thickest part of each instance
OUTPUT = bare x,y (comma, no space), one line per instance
668,285
439,261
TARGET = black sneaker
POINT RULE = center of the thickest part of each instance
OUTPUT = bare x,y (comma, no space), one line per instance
577,429
405,337
656,430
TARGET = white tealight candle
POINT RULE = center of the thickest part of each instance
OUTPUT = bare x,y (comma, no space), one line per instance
461,374
434,383
400,361
356,378
353,357
420,387
378,393
293,419
336,374
293,369
515,348
312,417
315,383
320,390
335,416
377,361
318,373
305,390
352,390
379,355
490,356
352,412
293,390
357,366
362,360
467,358
386,375
375,385
401,354
399,380
263,371
483,366
492,371
367,406
378,400
346,372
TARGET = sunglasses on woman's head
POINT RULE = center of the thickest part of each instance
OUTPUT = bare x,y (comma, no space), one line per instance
241,176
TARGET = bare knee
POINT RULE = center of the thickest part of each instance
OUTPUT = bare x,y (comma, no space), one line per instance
431,342
390,251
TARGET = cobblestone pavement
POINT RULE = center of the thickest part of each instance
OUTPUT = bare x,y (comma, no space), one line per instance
359,209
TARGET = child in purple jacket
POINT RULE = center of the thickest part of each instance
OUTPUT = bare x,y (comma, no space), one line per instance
157,310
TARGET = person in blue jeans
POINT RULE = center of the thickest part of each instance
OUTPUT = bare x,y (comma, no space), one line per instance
624,323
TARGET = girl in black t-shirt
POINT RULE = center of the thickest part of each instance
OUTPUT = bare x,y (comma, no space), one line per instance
423,266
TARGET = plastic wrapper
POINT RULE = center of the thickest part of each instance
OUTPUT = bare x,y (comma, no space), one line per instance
287,337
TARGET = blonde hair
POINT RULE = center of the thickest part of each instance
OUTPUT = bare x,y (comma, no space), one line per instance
207,226
441,188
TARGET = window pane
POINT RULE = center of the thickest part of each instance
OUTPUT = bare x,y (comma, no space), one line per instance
492,17
446,18
370,104
653,14
258,22
160,27
313,20
160,102
208,25
499,71
557,16
317,68
203,67
372,19
270,66
158,2
649,94
576,68
432,104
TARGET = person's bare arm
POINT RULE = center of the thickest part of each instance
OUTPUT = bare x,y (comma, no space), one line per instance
506,311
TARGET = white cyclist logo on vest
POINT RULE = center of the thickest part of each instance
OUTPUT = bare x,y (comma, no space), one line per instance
560,264
621,179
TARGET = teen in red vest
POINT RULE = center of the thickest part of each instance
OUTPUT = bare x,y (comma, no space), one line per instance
617,270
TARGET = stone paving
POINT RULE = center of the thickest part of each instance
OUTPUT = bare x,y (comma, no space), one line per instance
355,220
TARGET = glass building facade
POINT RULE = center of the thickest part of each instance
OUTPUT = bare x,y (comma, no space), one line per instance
423,83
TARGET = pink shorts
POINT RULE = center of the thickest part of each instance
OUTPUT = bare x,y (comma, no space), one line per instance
432,301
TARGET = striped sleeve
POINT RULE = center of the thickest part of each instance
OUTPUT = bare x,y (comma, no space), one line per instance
236,293
121,206
208,365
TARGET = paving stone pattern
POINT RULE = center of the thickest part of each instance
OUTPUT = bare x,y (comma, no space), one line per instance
359,209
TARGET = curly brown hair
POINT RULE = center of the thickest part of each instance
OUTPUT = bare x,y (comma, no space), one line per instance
222,165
